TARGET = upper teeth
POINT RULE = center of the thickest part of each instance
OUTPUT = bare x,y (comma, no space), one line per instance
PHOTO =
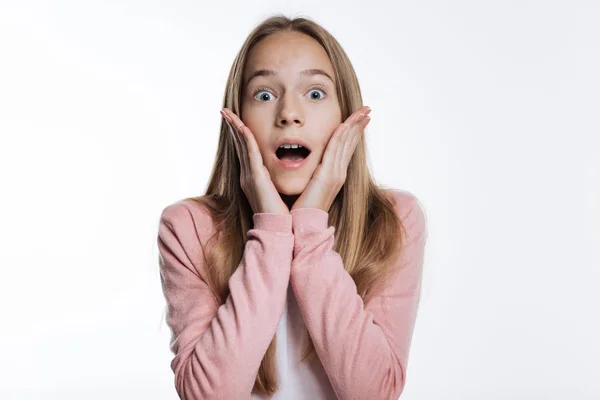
289,146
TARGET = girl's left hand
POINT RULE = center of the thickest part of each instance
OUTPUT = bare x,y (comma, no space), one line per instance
330,174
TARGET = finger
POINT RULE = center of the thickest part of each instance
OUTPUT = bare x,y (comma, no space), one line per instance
236,124
361,117
358,124
234,136
342,143
350,146
240,142
331,154
235,120
245,163
359,114
365,122
351,141
230,129
252,151
231,118
254,156
333,145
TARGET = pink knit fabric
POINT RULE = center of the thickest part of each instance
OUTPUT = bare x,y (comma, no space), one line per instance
288,258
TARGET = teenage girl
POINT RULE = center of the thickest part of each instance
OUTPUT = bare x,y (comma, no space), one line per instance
294,276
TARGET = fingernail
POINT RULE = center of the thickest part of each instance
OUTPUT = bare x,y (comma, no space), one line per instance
227,117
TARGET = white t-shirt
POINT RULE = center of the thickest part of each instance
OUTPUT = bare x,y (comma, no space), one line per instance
304,381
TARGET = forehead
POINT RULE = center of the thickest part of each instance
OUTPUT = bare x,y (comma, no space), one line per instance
288,53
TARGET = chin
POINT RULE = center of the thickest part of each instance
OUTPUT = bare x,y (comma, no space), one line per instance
291,187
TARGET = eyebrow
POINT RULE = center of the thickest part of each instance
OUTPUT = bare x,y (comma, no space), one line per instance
306,72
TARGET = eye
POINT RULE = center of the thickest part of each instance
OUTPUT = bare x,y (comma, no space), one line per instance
262,96
312,96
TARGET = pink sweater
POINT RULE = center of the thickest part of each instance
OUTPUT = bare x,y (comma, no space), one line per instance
292,282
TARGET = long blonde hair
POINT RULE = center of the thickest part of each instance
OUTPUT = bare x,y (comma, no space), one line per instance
367,229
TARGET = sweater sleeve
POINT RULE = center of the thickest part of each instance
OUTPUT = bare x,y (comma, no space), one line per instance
364,351
218,348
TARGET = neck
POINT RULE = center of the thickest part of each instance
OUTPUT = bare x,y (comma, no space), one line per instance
289,199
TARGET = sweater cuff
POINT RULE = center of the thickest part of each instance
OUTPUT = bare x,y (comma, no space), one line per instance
309,220
273,222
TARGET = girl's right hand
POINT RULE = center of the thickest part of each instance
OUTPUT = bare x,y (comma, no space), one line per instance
255,179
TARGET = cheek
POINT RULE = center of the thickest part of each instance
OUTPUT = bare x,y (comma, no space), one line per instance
264,146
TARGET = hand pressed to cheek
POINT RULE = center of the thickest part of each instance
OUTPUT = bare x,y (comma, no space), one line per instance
342,145
330,174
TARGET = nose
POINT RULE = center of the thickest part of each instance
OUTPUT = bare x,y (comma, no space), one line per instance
290,112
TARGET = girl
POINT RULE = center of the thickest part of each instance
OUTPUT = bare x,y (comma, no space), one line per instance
293,246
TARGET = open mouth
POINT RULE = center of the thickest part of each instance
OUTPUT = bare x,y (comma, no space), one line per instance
297,154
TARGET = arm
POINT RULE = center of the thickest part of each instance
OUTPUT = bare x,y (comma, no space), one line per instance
364,351
218,348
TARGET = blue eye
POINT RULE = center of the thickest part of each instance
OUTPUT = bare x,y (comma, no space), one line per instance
319,90
260,91
264,93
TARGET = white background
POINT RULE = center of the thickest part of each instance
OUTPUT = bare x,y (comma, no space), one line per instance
486,111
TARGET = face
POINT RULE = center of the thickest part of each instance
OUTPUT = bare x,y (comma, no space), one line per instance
290,104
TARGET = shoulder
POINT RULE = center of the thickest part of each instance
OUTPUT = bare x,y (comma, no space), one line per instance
410,210
187,216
